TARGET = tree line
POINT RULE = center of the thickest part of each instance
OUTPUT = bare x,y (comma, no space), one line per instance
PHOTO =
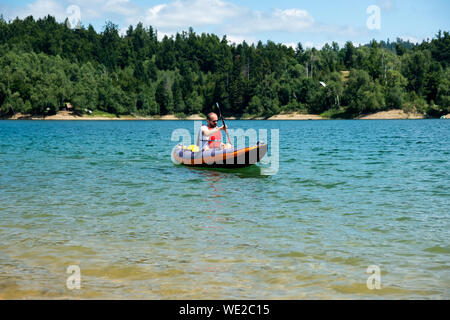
44,64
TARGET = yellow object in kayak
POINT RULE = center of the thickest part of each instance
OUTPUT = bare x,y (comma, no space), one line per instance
192,148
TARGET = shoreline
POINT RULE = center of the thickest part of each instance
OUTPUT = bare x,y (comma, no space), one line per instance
395,114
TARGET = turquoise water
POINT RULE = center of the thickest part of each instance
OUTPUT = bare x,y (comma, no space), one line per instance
104,195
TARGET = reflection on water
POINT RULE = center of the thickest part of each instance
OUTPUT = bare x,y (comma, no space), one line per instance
254,171
213,179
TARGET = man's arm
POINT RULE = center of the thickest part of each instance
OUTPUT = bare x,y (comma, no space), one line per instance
208,133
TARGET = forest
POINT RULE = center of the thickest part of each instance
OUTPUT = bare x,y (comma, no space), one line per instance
44,65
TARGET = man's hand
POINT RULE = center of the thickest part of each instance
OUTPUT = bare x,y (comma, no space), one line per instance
224,127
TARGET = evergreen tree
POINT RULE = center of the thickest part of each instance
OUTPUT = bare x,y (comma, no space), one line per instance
44,65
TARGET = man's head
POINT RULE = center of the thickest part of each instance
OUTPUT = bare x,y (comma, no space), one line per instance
212,119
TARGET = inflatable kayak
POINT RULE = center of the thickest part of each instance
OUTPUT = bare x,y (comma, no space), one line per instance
217,158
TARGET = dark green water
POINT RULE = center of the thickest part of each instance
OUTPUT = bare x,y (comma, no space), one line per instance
104,195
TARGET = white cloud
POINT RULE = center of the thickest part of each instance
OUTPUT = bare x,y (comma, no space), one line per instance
238,39
339,30
292,45
123,31
121,7
411,39
162,34
183,13
386,5
40,9
238,22
289,20
310,45
102,9
292,19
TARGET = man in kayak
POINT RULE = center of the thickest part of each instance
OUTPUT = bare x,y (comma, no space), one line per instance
209,136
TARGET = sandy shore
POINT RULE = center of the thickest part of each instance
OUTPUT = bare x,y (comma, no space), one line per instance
65,115
392,114
172,117
296,116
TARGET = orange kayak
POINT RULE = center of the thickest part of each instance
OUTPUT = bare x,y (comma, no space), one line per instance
218,158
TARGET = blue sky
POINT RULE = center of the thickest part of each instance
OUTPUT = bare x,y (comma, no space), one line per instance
313,23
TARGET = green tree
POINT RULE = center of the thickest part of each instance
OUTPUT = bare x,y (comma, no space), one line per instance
110,44
44,64
395,89
415,67
178,101
163,97
194,103
255,107
349,55
362,94
443,93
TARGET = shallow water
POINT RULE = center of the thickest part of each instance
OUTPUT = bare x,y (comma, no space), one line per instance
104,195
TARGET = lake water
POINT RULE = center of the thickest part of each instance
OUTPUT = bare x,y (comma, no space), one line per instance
105,196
